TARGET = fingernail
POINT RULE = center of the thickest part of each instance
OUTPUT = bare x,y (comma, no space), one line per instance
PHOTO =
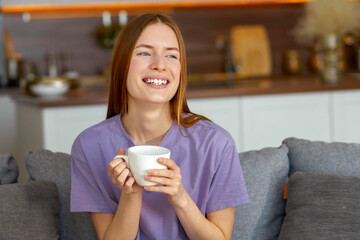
161,160
151,171
147,177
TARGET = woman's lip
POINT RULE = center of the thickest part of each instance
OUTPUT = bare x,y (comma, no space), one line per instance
145,79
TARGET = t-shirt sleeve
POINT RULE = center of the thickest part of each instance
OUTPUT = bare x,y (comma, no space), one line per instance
86,195
227,187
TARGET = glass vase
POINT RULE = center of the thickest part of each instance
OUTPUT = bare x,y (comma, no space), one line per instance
331,71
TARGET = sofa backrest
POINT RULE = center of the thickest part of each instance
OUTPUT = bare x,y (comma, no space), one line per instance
55,167
9,170
323,190
323,157
266,172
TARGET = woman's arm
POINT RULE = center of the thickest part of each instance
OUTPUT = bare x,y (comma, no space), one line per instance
217,225
125,223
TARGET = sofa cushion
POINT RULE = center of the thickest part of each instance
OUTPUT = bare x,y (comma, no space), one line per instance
29,211
265,172
56,167
322,206
9,171
323,157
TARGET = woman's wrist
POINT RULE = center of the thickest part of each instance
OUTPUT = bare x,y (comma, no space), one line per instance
137,194
182,202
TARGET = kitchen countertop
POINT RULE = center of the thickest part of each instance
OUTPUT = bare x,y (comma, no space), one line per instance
8,91
204,86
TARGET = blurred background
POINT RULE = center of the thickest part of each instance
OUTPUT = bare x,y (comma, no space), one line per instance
34,33
250,70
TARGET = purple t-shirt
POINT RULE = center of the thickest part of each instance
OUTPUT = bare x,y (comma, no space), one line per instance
206,154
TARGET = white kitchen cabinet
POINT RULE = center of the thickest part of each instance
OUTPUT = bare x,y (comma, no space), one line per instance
269,119
65,123
225,112
346,115
52,128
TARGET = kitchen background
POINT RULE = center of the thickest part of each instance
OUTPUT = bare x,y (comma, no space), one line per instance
200,28
257,112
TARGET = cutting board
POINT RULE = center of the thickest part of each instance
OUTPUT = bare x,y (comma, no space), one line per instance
251,51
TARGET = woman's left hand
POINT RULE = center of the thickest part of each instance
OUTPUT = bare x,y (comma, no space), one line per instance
170,179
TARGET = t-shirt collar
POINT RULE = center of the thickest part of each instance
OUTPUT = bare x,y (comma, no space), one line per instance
163,142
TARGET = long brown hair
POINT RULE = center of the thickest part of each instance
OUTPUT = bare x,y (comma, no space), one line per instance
120,63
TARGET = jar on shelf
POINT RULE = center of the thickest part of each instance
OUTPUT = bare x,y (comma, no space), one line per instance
292,62
331,59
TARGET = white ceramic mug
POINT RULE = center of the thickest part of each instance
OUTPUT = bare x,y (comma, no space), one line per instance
142,158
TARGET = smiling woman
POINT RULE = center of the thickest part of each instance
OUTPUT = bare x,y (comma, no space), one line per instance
195,192
154,61
128,44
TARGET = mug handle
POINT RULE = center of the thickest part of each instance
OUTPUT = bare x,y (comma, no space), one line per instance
126,161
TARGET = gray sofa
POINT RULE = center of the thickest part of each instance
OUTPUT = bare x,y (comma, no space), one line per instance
323,195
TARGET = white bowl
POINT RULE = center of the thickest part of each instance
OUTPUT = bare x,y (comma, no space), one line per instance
43,90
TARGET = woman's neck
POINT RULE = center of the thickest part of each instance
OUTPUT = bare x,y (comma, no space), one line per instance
147,126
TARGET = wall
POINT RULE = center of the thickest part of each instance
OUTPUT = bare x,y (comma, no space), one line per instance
2,62
200,26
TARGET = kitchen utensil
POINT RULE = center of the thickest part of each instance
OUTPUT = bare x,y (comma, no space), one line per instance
251,50
50,87
14,71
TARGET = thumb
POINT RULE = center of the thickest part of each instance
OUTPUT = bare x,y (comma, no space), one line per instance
121,152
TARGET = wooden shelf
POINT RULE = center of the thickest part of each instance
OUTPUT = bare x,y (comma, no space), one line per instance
136,5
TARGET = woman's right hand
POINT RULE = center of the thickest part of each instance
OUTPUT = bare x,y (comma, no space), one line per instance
119,173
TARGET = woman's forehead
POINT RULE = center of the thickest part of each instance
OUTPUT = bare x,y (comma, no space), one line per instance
158,33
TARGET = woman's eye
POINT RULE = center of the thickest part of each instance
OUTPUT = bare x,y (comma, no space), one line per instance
172,56
143,54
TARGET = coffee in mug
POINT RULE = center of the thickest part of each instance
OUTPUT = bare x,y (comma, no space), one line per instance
142,158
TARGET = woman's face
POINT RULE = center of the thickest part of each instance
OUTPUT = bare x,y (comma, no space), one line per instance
154,71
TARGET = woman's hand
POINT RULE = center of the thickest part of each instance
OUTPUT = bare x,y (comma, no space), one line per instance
170,179
217,226
119,173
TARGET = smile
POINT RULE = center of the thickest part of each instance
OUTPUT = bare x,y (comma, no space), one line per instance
156,81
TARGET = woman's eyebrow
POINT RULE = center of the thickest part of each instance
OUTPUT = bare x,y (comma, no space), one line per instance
151,47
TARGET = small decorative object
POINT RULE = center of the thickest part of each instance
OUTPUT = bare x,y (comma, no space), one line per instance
350,48
331,72
327,21
315,61
292,62
30,75
106,34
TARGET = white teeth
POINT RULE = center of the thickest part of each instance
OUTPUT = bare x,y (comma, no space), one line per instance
156,81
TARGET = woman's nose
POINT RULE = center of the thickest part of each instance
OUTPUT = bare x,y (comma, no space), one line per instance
158,63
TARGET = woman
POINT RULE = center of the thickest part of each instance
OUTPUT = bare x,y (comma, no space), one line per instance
203,181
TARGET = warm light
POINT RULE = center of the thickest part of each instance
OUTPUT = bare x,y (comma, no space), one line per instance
116,6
